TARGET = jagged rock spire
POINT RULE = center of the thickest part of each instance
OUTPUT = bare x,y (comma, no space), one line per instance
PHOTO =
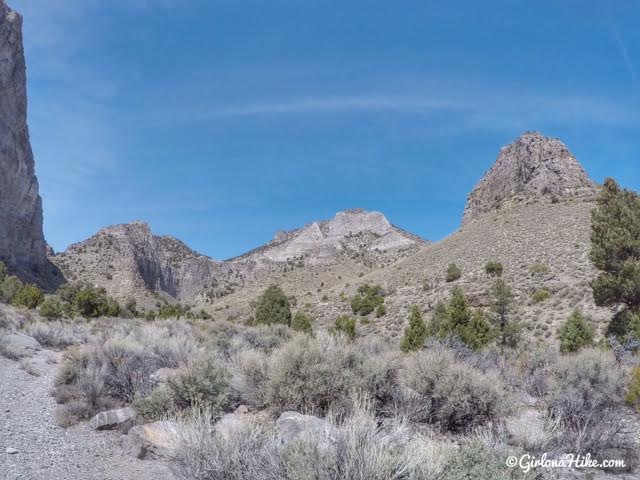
532,167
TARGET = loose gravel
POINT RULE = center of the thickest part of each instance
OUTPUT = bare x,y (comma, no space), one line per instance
33,447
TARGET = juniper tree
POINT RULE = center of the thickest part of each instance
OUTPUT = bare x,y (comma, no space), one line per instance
575,333
273,307
501,298
416,333
615,251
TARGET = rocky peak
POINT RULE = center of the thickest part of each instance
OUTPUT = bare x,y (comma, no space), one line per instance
22,244
321,242
129,257
532,167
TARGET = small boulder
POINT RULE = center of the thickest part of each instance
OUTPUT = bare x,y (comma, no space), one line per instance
241,410
11,451
293,424
152,440
113,418
162,374
19,343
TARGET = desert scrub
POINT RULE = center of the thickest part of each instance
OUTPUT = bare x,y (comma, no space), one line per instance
59,335
453,273
203,383
367,299
362,448
115,372
346,326
318,374
301,322
540,295
478,461
538,269
451,394
632,398
587,392
494,269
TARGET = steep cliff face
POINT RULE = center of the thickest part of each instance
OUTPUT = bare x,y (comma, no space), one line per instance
129,259
22,244
533,168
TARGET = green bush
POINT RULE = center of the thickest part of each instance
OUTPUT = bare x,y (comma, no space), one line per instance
171,311
477,461
29,296
51,308
575,333
157,405
345,325
416,333
88,301
381,311
9,287
632,399
273,307
301,322
202,384
459,320
540,295
453,273
367,299
625,325
494,269
3,271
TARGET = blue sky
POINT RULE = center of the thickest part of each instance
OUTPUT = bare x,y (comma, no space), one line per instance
220,122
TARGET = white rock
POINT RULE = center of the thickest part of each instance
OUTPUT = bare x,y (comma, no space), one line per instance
112,418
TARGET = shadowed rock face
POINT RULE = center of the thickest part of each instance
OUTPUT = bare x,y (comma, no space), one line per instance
129,257
22,244
532,167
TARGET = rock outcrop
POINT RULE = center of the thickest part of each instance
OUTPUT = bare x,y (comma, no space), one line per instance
357,231
534,167
129,258
22,244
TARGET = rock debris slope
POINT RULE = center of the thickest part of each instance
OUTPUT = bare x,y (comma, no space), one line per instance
22,244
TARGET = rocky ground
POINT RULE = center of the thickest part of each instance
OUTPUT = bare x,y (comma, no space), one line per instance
33,447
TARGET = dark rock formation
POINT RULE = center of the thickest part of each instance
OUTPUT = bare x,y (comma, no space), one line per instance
22,244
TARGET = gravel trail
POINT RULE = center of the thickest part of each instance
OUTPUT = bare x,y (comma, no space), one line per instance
47,451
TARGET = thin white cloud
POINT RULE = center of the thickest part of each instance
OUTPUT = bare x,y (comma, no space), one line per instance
624,53
319,104
453,107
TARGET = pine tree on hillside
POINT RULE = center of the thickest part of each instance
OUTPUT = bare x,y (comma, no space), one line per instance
416,333
615,251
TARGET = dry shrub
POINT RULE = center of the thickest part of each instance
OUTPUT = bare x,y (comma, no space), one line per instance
451,394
